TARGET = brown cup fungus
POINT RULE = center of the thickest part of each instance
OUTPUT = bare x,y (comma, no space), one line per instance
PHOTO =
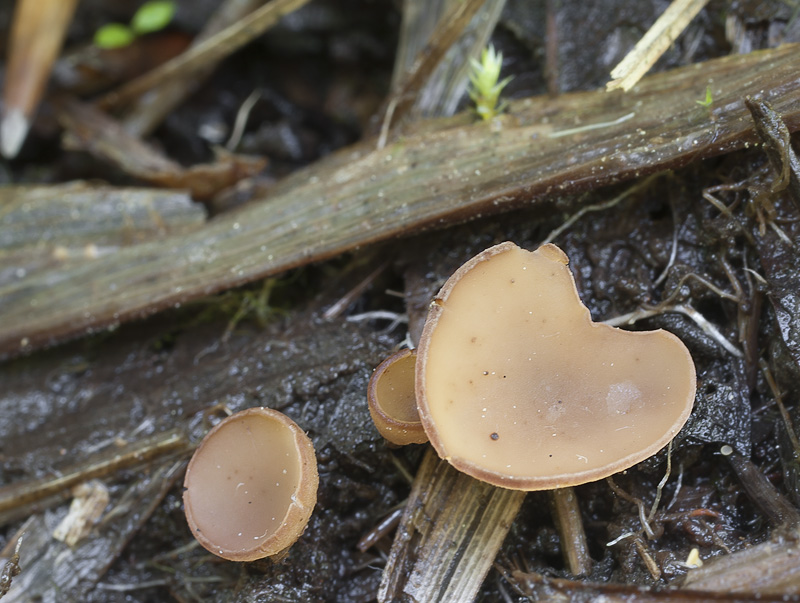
516,385
251,485
392,401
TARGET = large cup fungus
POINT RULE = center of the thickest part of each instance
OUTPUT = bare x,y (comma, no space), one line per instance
516,385
251,485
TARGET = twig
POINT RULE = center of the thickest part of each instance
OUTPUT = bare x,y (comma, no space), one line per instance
209,51
598,207
25,493
658,38
447,31
635,501
395,318
126,588
150,110
647,558
703,281
661,484
673,254
708,328
449,535
787,419
381,529
336,309
241,119
538,587
778,148
37,32
779,511
678,486
551,65
10,569
359,196
685,309
401,467
595,126
386,122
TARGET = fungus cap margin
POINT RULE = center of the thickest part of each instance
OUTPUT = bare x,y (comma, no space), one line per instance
467,431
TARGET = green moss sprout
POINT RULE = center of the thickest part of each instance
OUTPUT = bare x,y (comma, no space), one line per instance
485,88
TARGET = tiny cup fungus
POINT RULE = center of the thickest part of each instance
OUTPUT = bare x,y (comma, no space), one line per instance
392,401
251,485
516,385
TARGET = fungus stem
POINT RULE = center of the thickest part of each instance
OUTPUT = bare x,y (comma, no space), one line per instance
567,515
448,538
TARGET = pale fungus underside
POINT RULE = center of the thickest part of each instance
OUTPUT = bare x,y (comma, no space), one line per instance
518,387
251,485
392,402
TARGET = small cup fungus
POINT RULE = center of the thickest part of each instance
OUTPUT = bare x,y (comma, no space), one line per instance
516,385
392,402
251,485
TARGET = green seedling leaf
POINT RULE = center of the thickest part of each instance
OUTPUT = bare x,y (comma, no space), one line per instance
153,16
706,102
113,35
